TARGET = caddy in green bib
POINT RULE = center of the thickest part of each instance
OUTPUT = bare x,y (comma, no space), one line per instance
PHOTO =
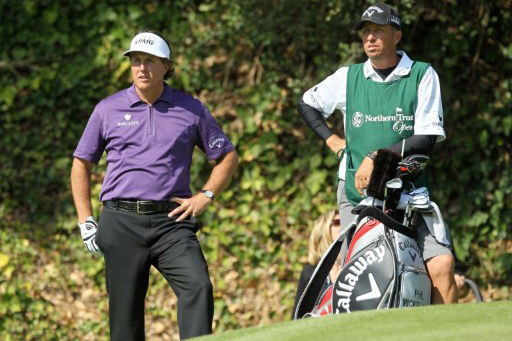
378,116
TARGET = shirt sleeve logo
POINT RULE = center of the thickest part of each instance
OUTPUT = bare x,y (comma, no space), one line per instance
217,143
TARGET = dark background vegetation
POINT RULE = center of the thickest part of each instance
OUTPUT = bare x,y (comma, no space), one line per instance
249,61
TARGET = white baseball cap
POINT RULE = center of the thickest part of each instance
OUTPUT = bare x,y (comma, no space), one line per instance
149,43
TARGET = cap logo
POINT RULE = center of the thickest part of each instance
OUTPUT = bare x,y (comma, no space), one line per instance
395,20
144,41
149,43
369,12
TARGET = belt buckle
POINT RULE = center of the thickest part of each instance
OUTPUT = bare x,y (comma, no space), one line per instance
141,210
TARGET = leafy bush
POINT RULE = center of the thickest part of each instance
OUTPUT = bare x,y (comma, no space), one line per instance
249,61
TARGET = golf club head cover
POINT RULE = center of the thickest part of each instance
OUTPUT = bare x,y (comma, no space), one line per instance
384,169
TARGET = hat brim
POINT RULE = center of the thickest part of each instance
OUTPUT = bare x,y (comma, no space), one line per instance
127,53
360,24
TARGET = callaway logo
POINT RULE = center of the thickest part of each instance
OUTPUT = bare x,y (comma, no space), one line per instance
146,41
412,246
408,244
127,121
345,288
413,255
217,143
369,12
373,293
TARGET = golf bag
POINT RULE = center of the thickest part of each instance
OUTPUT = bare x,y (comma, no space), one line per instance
382,266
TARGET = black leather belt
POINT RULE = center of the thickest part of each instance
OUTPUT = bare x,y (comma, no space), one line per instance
141,206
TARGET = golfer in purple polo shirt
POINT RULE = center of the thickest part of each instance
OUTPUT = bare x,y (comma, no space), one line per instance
149,132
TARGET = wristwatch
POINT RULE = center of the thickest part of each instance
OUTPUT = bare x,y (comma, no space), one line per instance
209,194
372,155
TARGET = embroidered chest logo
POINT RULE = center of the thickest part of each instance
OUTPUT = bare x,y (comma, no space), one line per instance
216,143
401,121
357,119
127,121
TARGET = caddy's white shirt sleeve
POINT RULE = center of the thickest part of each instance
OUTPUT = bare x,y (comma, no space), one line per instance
330,94
429,110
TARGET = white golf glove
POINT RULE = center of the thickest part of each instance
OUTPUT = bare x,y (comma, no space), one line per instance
88,231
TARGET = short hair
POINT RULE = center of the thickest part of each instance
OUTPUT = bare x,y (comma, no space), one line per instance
320,237
170,61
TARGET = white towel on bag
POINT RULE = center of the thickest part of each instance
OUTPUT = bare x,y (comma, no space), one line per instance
436,225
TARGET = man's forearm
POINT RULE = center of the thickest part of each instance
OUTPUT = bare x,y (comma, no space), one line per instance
81,188
415,144
222,173
336,143
314,120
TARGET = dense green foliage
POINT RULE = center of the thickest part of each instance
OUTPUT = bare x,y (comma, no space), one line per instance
249,61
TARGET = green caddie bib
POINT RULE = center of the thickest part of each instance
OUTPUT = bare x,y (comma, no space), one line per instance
379,114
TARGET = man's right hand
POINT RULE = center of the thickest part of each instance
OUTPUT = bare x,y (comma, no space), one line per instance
336,143
88,231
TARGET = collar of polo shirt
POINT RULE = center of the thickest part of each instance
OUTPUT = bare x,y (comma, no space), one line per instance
149,43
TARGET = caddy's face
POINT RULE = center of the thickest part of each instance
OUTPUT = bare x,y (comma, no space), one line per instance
379,40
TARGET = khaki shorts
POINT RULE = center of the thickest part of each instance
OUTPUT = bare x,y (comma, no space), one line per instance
428,245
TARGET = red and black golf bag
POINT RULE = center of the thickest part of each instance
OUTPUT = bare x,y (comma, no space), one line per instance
382,266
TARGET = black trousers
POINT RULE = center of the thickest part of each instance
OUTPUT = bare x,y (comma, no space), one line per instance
131,243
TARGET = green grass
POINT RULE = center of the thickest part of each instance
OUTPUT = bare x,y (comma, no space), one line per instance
472,321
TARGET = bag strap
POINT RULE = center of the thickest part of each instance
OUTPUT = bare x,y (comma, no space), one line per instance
308,299
374,212
309,296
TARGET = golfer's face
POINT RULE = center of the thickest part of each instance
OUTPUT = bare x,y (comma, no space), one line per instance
148,71
379,40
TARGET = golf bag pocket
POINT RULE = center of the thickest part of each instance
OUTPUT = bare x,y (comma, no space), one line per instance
415,289
408,251
414,283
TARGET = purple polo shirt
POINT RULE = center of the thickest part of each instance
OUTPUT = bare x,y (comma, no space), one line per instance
149,147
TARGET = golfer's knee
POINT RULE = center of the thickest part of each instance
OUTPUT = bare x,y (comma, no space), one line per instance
202,286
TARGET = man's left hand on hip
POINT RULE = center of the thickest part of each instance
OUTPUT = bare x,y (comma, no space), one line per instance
190,206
